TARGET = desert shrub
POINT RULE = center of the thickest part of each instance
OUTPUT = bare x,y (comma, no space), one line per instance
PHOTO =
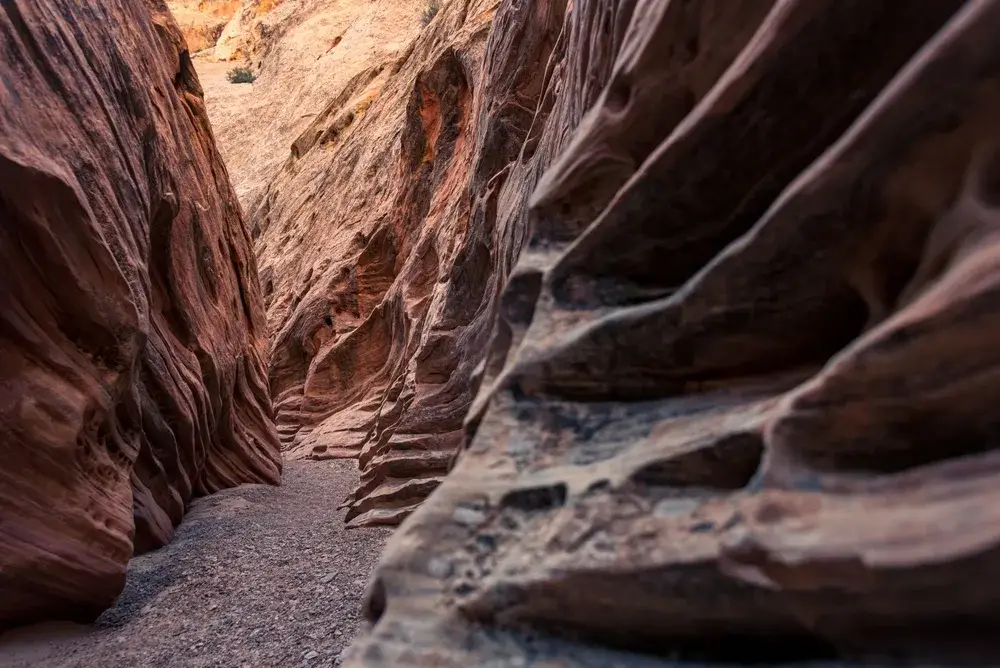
240,75
433,7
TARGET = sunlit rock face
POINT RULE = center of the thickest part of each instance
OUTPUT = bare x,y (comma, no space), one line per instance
132,332
202,22
738,401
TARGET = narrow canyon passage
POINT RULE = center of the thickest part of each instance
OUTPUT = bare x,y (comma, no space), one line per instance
256,576
664,330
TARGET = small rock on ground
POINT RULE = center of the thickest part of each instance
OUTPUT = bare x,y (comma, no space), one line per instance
256,576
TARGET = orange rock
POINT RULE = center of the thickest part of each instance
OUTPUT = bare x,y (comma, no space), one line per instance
203,21
378,283
132,337
306,55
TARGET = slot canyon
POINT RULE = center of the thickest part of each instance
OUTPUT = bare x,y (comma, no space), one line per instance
537,333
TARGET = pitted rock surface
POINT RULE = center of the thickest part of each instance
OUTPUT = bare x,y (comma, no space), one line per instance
738,401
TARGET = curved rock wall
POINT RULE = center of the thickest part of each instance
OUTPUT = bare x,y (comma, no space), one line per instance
132,337
738,404
386,239
377,256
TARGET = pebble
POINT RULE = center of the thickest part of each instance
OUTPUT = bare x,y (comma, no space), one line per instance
328,577
468,516
309,656
439,567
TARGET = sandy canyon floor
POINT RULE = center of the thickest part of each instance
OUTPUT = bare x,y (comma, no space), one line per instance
256,576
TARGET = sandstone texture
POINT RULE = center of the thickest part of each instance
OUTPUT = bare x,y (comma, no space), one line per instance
305,54
738,402
202,22
132,332
378,260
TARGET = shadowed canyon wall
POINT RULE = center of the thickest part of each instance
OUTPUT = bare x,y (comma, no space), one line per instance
738,401
132,331
378,258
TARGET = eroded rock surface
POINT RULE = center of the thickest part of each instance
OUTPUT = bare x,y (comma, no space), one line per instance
378,257
738,403
305,54
202,22
132,336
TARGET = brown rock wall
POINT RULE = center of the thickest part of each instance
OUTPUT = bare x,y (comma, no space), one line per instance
377,261
386,238
132,336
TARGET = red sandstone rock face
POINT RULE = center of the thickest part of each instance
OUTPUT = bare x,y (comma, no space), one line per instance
739,398
386,239
131,325
378,258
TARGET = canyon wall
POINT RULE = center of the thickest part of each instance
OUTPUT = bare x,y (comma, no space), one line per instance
304,54
385,239
738,402
132,331
378,258
202,22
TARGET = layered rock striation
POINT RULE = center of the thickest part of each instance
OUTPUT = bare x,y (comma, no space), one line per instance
387,236
132,333
738,399
378,257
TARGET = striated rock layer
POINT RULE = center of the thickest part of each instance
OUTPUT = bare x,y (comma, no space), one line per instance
378,256
738,403
132,337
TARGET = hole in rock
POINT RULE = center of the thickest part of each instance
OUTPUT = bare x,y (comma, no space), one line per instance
619,95
902,442
598,486
728,464
989,180
741,650
532,499
375,601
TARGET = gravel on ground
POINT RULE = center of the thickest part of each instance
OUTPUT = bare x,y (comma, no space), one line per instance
256,577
